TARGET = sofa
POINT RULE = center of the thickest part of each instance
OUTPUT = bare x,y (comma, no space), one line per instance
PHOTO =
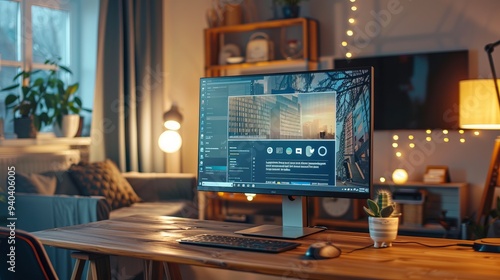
77,196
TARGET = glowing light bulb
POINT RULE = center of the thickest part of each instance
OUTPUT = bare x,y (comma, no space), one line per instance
445,131
351,20
395,137
411,137
412,145
476,133
428,139
462,140
399,154
349,32
394,145
170,141
446,139
250,196
348,54
399,176
428,131
461,131
382,179
344,43
354,8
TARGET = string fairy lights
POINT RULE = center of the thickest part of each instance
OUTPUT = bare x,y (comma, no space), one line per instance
351,21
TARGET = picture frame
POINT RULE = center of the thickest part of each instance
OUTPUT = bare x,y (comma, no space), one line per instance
437,174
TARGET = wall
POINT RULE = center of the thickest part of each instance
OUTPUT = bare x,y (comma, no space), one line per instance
384,27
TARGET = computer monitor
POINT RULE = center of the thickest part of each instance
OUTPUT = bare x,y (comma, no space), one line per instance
292,134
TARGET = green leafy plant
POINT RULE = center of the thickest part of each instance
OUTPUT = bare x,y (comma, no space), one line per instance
47,98
64,100
382,206
31,98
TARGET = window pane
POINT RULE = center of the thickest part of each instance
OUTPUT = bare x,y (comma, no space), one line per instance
50,34
9,30
6,76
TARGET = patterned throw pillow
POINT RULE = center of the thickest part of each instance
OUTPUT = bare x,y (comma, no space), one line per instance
104,179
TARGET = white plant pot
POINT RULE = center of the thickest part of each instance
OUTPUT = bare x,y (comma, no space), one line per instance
69,126
383,230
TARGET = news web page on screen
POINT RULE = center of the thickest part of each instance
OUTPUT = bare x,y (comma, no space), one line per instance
285,132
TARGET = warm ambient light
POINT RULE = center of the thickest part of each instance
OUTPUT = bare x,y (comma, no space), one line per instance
399,176
479,104
170,141
250,196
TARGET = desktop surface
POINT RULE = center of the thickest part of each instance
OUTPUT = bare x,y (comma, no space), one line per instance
156,238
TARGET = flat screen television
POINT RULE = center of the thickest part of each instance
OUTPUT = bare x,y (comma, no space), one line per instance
415,91
291,134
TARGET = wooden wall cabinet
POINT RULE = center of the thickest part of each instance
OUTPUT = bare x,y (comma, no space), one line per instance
217,37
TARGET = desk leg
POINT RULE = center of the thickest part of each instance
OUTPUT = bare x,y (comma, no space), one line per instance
156,270
98,268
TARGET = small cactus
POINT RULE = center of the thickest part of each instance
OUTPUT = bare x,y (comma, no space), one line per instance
382,206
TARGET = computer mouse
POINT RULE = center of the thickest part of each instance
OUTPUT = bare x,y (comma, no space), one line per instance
322,250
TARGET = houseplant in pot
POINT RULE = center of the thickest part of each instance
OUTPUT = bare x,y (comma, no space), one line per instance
383,220
29,104
65,103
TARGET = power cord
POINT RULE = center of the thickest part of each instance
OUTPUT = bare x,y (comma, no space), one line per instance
411,242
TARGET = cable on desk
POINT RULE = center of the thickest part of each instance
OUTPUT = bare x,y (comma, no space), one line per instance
411,242
433,246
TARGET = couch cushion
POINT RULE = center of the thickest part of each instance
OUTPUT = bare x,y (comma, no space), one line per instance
104,178
35,183
65,184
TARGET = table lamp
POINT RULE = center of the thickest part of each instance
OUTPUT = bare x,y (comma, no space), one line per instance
170,141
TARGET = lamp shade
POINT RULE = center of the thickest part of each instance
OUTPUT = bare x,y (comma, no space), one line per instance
479,108
172,118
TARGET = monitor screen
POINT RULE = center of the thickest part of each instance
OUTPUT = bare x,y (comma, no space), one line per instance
302,133
415,91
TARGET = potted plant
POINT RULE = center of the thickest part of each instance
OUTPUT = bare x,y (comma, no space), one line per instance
65,103
290,8
28,105
383,220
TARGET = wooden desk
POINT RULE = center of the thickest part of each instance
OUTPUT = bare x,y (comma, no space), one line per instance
154,238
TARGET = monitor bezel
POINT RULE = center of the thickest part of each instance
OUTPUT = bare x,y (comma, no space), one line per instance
292,192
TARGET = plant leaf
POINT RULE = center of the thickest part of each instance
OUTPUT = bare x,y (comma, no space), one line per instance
373,207
10,87
368,211
387,211
11,98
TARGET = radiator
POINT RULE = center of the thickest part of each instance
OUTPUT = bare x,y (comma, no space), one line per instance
37,162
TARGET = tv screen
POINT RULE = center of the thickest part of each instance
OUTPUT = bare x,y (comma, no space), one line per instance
415,91
302,133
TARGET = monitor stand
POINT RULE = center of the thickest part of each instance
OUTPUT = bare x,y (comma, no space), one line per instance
294,222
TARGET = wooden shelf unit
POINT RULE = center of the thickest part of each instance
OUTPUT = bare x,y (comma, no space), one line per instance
215,40
447,198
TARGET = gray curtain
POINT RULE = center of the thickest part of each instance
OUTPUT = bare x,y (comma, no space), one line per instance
128,100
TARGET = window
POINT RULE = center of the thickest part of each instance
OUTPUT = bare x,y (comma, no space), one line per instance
32,31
